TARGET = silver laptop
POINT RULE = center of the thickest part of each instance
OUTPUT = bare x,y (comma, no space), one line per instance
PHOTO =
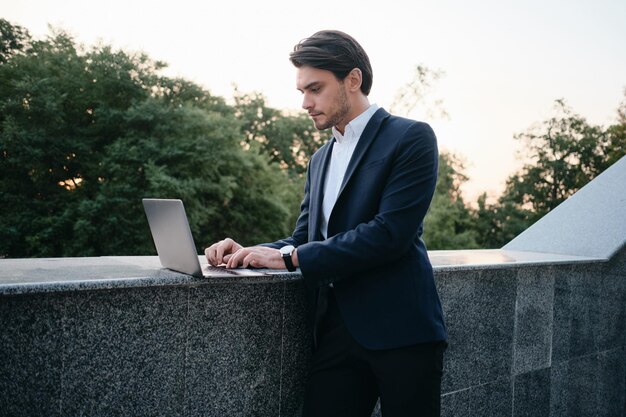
174,242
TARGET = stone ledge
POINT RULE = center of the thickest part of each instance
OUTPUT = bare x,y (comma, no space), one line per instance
44,275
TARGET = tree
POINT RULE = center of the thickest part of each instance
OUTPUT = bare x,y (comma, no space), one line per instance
416,95
497,223
289,140
13,40
448,224
565,152
85,133
616,148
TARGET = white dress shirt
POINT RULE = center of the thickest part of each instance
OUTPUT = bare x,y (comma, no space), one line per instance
343,148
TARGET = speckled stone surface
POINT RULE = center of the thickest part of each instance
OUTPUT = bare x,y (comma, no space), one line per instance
531,394
492,399
536,328
532,344
479,310
122,336
31,276
121,346
296,345
233,346
612,382
591,385
456,404
31,347
617,264
611,324
577,312
559,389
574,387
592,222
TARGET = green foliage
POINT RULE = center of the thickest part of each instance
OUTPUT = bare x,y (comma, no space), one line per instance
85,134
498,223
448,224
565,152
13,40
287,140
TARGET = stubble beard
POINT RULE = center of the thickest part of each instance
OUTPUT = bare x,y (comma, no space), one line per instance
338,113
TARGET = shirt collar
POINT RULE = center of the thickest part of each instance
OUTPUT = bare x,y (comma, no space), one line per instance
355,128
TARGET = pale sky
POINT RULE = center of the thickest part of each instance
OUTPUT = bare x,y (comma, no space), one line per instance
505,62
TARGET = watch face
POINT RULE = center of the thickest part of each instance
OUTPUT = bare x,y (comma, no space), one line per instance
286,250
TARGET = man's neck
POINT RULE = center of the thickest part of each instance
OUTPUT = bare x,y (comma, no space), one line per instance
359,107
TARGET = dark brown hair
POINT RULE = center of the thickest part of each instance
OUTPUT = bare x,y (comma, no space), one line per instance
336,52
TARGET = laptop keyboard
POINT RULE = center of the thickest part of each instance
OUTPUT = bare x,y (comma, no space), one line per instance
217,269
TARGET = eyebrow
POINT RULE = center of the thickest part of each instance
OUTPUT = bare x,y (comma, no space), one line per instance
309,86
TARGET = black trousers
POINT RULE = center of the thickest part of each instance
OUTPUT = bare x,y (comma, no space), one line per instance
345,379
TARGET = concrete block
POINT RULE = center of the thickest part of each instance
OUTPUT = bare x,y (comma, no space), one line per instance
31,344
296,349
576,311
233,354
479,309
585,309
592,222
456,404
559,391
494,399
124,352
533,319
574,388
617,263
562,319
611,383
611,321
531,394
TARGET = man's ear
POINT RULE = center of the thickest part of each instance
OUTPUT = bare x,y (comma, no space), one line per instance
355,79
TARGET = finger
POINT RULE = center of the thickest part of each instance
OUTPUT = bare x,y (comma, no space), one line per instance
221,248
210,254
217,253
234,246
207,253
248,260
235,259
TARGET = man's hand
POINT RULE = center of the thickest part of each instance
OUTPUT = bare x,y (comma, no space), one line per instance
219,253
256,257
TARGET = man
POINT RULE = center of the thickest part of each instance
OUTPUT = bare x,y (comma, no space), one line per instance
378,326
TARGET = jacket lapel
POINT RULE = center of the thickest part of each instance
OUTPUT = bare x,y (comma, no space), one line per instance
316,191
366,139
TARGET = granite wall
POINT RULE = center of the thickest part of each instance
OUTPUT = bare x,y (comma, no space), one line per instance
543,339
536,341
229,349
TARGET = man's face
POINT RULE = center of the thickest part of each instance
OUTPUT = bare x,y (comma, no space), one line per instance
324,97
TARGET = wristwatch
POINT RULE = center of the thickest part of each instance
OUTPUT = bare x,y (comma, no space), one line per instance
286,252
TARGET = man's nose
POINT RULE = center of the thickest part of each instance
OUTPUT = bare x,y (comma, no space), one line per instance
306,102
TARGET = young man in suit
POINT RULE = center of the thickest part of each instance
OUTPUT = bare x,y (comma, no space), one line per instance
378,327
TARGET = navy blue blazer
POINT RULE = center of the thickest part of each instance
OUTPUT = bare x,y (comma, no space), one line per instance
374,255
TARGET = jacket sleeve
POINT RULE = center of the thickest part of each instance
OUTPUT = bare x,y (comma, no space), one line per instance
404,202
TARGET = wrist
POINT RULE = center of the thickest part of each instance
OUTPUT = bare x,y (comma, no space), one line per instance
287,254
294,258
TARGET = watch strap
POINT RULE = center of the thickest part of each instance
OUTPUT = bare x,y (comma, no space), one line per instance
289,262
